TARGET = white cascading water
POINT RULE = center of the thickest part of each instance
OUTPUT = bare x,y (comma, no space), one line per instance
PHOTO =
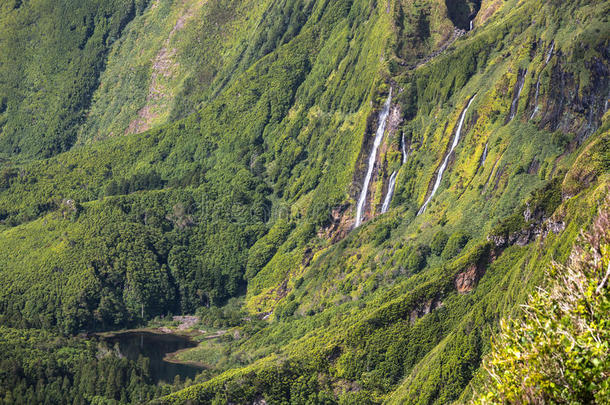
404,149
471,25
392,184
484,157
383,115
515,104
388,196
536,98
550,54
441,170
546,62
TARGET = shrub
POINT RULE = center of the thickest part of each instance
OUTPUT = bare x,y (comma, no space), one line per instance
383,234
455,244
415,262
438,242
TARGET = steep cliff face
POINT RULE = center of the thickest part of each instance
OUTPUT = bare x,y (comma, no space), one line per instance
488,9
171,58
52,55
463,12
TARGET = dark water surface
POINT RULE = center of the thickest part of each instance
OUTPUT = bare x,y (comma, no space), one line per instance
155,346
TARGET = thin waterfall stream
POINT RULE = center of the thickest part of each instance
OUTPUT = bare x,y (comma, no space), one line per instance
443,166
536,97
392,184
536,108
515,104
546,62
383,115
484,157
388,196
550,54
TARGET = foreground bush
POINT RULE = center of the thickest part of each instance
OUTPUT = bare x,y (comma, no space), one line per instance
559,353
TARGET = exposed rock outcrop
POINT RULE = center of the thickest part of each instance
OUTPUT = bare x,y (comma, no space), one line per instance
535,226
424,309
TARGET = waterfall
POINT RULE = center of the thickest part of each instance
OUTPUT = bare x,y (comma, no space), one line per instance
550,54
388,196
383,115
392,184
546,62
441,170
515,104
536,97
471,25
484,157
404,149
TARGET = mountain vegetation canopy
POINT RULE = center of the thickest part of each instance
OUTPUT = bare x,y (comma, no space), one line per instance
164,158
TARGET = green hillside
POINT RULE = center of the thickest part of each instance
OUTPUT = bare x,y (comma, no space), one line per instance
207,157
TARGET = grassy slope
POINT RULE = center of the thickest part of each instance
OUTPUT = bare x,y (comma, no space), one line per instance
170,52
52,54
343,276
250,113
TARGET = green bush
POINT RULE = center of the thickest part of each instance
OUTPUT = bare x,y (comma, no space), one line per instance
438,242
559,352
454,245
382,234
415,261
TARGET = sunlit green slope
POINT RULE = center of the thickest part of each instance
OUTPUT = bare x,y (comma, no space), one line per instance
51,56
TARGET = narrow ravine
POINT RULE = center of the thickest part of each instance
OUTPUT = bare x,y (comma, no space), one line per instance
443,166
388,196
383,115
493,169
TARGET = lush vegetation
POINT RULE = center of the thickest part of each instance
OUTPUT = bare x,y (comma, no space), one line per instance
206,158
559,352
51,57
41,367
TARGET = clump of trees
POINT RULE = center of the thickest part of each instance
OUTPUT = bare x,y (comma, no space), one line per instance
39,367
454,246
438,242
138,182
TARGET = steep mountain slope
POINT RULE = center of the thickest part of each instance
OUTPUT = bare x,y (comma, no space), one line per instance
51,56
249,128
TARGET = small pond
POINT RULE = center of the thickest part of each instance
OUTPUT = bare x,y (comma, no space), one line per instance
155,346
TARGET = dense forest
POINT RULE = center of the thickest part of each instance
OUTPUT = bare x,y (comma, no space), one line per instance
162,159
